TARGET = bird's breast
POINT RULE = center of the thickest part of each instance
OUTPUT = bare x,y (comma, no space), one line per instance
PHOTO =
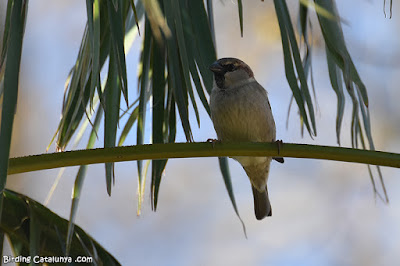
242,114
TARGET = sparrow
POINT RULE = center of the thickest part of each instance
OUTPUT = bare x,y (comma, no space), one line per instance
240,111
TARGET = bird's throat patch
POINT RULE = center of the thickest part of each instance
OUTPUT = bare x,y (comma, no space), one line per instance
220,80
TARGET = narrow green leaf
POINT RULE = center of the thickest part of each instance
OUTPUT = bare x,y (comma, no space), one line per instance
289,70
143,97
80,177
354,115
366,121
1,242
240,7
336,82
334,39
135,15
304,40
131,26
158,167
285,16
34,231
171,120
82,129
6,33
169,135
16,222
185,53
318,9
127,128
194,104
175,73
78,89
179,96
303,18
386,199
93,24
159,82
183,65
72,104
199,89
203,32
367,127
390,8
223,164
156,19
141,188
158,86
76,193
17,18
117,33
113,95
126,111
87,251
210,12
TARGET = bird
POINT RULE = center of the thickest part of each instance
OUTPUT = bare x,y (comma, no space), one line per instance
240,111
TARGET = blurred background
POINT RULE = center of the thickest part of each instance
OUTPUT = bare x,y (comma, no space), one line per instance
325,212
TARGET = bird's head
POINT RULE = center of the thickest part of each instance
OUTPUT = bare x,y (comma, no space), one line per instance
230,71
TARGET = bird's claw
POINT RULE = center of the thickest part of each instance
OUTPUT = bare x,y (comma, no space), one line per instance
279,142
279,159
213,141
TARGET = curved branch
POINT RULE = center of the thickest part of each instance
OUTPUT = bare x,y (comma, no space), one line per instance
201,149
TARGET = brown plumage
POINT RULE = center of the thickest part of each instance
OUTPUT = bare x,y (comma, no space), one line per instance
240,111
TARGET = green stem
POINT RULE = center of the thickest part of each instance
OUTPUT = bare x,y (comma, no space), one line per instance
202,149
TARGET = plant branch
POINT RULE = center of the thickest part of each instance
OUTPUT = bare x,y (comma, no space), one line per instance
201,149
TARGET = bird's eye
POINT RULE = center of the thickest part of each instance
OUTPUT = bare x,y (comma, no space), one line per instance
230,67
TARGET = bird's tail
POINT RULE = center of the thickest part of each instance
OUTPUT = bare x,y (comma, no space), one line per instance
262,206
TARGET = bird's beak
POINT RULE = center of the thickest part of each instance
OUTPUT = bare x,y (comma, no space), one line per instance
216,68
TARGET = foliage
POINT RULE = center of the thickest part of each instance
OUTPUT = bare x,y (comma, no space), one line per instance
178,45
33,230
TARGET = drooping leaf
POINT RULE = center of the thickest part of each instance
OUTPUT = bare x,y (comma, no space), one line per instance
11,59
144,79
336,82
80,177
177,73
79,88
112,94
118,51
289,70
22,219
93,24
309,4
6,38
158,89
390,8
76,99
334,39
204,53
340,65
240,9
184,55
210,12
131,120
223,164
35,231
1,243
135,14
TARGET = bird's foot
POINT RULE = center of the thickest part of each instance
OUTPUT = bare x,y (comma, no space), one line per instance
213,141
279,159
279,142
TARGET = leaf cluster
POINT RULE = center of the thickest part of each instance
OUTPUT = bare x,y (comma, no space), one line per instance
178,44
